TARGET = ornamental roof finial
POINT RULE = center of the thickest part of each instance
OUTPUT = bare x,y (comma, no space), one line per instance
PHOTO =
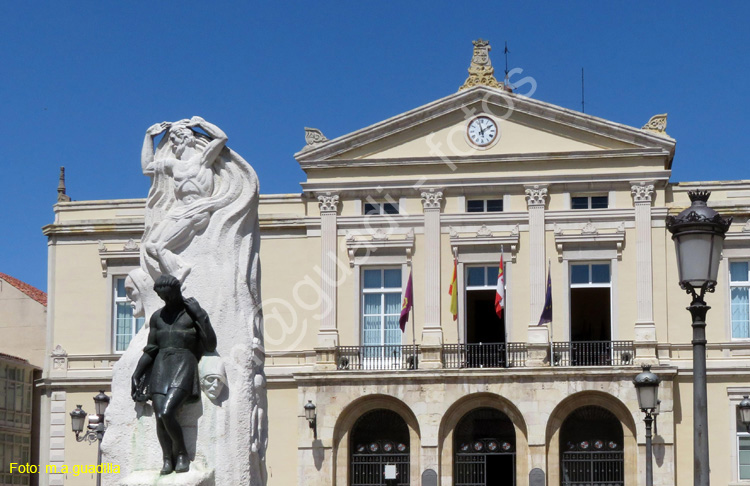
481,72
61,196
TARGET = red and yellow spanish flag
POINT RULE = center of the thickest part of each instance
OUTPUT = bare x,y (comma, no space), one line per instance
453,291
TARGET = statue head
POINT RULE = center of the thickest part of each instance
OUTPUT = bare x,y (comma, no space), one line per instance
213,376
181,138
167,288
134,295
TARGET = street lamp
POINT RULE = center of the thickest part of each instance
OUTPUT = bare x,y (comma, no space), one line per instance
744,407
95,430
698,233
647,387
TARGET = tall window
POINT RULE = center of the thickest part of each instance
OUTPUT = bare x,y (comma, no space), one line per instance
482,323
589,202
739,282
381,299
743,449
590,302
125,324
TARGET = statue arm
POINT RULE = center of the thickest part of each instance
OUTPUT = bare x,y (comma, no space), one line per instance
202,323
147,359
219,139
147,152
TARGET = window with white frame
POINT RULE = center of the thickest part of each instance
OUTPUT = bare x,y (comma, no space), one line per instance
590,302
375,208
589,202
125,324
482,322
484,205
739,283
381,306
743,450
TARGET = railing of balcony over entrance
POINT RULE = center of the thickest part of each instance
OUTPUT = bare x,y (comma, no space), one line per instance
484,355
379,357
593,353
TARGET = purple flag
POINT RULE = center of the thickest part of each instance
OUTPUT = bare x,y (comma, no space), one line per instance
406,306
547,311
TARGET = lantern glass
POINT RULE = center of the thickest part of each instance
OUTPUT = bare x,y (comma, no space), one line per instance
309,410
77,418
745,411
647,396
101,401
698,256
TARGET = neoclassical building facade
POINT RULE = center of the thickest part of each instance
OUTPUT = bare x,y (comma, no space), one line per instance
466,180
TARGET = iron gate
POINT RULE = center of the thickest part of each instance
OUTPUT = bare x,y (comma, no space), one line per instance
592,468
368,468
470,467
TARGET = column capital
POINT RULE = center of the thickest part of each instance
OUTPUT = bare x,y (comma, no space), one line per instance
536,194
431,199
642,191
328,202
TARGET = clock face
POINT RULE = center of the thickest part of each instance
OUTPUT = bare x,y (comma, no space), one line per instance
482,131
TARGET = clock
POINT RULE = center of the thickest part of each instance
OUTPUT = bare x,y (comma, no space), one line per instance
482,132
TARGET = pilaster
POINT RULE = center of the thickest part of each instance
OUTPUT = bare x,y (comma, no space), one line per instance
328,336
432,333
645,329
538,336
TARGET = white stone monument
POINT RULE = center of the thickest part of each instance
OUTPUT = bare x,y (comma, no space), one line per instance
201,226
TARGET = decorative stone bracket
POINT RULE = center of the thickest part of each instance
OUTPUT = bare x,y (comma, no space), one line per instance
485,237
589,234
130,251
378,240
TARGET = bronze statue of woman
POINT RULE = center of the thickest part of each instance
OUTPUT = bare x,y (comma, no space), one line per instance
167,373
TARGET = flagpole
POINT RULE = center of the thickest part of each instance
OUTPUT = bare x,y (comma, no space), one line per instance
413,319
505,305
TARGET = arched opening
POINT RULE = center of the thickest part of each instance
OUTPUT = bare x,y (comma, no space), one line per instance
591,448
485,449
379,448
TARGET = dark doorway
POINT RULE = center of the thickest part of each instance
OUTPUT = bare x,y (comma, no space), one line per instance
379,438
591,448
590,318
482,323
485,445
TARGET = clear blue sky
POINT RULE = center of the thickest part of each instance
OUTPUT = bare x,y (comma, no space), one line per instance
81,81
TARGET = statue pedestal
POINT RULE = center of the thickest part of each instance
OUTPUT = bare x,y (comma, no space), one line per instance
197,476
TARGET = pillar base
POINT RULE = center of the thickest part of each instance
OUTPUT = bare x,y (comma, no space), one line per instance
328,338
431,357
325,359
645,344
432,335
537,346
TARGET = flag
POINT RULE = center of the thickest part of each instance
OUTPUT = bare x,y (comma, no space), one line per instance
547,311
500,291
453,291
406,306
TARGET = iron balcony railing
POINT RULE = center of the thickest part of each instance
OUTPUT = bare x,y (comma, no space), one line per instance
593,353
484,355
380,357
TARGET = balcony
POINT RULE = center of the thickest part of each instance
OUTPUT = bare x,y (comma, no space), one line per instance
593,353
381,357
484,355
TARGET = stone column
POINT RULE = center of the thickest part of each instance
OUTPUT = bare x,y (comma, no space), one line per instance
538,336
645,330
432,332
328,336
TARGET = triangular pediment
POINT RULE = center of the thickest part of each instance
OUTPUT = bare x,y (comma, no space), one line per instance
526,126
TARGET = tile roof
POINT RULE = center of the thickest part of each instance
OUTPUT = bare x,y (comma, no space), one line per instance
27,289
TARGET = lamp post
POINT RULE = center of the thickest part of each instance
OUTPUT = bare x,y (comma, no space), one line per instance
698,234
95,430
647,387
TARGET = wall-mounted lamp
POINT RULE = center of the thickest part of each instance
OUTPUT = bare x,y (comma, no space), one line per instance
744,407
96,428
311,416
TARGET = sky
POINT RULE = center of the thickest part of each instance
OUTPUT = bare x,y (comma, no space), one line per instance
81,81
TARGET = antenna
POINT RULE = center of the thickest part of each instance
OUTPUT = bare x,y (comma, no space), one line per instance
506,51
583,106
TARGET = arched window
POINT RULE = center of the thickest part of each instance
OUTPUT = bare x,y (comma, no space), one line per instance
485,445
379,438
591,448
